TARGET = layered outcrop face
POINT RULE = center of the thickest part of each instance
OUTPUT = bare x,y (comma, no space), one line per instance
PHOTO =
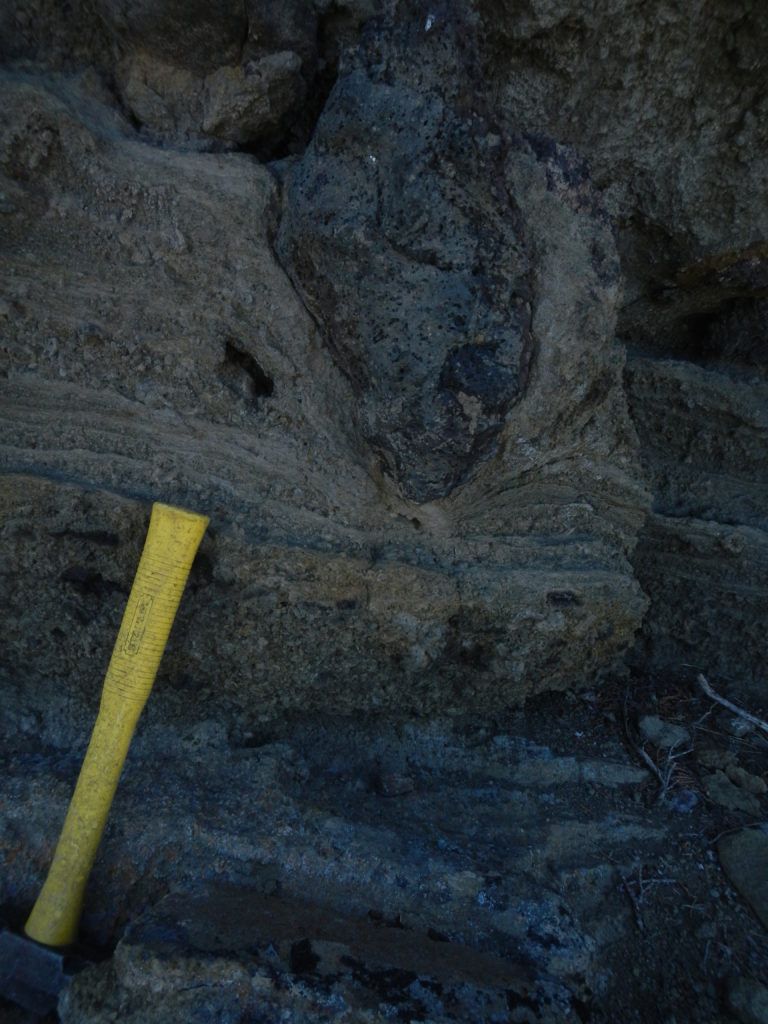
386,367
667,101
452,317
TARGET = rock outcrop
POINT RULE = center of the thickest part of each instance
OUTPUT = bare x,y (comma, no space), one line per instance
419,466
703,553
667,101
452,316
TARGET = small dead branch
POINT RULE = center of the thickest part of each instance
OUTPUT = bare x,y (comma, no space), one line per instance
665,776
641,752
636,889
698,724
707,689
635,904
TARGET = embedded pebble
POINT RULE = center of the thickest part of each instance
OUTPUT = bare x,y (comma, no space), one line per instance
683,801
714,757
746,780
722,791
739,727
662,733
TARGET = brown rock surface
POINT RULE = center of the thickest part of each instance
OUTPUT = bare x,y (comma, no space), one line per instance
159,351
452,317
702,555
667,100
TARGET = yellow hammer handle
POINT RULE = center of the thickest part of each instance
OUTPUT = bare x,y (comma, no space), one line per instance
173,538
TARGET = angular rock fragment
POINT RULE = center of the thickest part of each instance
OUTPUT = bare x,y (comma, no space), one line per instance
744,857
663,733
751,783
233,104
721,789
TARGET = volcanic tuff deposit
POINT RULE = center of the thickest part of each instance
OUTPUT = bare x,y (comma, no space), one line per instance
451,315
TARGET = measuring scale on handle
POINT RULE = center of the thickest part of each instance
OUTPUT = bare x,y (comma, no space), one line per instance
173,538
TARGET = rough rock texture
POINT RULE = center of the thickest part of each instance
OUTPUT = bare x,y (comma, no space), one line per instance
450,262
452,316
667,101
748,1001
160,351
432,272
231,104
703,553
209,76
265,870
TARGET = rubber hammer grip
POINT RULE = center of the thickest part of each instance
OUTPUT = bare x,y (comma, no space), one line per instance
173,538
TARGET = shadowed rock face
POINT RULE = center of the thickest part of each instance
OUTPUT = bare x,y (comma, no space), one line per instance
390,356
406,243
391,382
452,318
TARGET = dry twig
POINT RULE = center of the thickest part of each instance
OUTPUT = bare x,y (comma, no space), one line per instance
636,898
635,904
702,681
666,776
640,751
